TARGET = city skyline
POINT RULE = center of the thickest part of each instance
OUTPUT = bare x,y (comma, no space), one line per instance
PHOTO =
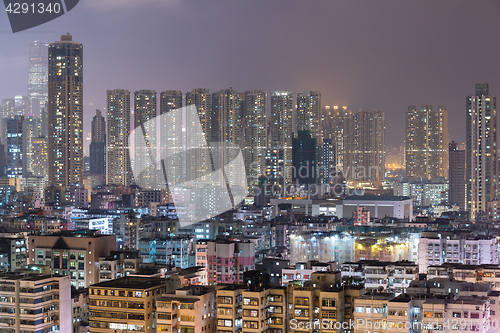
382,64
250,167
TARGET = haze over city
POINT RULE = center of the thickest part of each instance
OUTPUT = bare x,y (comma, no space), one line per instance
363,54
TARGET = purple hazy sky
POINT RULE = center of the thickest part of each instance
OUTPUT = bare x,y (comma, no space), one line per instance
371,54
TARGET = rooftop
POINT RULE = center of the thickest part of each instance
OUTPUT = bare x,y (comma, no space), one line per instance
443,283
377,296
25,277
403,298
79,233
375,198
380,263
463,266
475,300
132,282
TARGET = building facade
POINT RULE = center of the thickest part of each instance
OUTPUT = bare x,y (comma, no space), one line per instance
457,176
241,309
370,145
145,109
199,163
98,145
226,261
254,117
15,147
188,309
482,160
38,76
65,112
309,113
74,254
38,303
118,170
392,277
304,159
125,305
281,130
468,251
426,142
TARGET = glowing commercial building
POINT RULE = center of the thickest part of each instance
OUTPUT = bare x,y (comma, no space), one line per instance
343,247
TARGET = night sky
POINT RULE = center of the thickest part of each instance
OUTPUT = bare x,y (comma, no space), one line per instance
371,54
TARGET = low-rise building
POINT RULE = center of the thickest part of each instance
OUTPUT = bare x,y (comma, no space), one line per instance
119,264
73,254
227,260
463,250
317,305
467,273
125,304
391,277
13,249
254,309
421,313
171,251
37,303
361,216
424,193
303,271
79,310
449,286
400,207
193,276
188,309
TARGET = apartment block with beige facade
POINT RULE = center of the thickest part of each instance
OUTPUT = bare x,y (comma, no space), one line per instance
73,254
243,309
319,301
467,273
125,305
36,303
189,309
119,264
382,312
392,277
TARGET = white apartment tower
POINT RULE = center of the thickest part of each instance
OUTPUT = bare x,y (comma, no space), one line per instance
118,169
482,169
309,113
282,126
255,133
